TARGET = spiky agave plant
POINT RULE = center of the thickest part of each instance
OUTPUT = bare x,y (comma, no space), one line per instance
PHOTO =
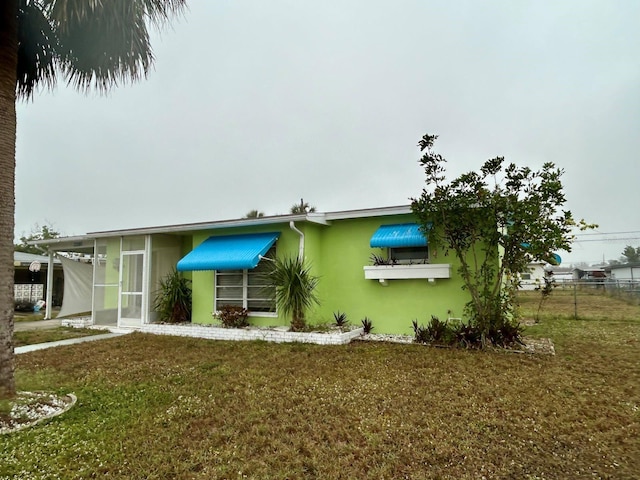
294,289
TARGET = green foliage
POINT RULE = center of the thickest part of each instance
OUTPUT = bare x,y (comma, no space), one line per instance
420,334
436,331
294,287
92,44
302,207
232,316
380,260
254,214
545,291
630,254
44,232
367,325
23,306
501,208
173,299
502,333
505,333
466,335
340,319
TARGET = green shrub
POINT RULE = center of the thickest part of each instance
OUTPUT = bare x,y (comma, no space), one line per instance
505,333
340,319
232,316
23,306
467,336
436,331
173,299
367,325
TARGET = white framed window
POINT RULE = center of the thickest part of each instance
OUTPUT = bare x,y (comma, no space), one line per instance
249,289
409,255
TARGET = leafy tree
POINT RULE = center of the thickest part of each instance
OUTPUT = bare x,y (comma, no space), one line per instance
254,214
496,221
89,43
630,254
44,232
302,207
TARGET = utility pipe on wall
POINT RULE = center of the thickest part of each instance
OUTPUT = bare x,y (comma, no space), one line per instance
292,226
49,296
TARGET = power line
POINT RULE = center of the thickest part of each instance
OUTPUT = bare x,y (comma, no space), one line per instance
609,240
607,233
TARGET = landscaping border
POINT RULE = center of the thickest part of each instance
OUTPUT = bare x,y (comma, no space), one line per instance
276,335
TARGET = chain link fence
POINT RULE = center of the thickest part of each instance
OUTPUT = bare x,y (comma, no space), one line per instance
591,299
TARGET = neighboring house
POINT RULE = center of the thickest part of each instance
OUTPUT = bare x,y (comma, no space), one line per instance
562,275
625,273
30,278
534,277
589,274
226,262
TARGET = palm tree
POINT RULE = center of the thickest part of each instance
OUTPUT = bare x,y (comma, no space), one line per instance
254,214
92,45
302,207
295,288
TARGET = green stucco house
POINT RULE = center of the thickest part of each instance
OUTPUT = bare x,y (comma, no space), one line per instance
373,263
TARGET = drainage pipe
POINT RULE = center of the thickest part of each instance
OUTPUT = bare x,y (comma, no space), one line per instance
293,227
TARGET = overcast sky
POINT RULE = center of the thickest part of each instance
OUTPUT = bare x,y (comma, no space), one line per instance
255,104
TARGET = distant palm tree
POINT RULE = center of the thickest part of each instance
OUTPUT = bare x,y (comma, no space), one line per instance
254,214
302,207
92,44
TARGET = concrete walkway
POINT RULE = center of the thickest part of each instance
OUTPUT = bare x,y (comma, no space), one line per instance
70,341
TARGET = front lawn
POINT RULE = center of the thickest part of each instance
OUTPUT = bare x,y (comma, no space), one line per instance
31,337
162,407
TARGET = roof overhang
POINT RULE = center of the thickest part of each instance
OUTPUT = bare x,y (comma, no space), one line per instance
85,242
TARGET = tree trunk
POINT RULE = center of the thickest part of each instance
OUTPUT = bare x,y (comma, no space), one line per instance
8,72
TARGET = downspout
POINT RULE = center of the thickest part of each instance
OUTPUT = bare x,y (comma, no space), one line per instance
49,296
293,227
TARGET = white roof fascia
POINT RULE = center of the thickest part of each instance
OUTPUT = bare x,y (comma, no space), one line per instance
369,212
71,242
190,227
317,218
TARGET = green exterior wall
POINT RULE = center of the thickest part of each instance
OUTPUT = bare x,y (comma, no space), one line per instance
345,251
203,281
337,254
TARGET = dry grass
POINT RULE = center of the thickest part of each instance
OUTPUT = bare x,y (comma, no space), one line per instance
588,302
31,337
165,407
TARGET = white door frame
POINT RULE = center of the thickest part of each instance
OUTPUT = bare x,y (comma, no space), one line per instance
128,321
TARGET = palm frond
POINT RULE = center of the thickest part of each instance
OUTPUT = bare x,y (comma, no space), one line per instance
103,43
294,286
37,47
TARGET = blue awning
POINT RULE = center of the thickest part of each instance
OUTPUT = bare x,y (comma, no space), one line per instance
229,252
398,235
552,258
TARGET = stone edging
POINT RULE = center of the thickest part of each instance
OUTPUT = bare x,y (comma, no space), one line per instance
248,334
35,421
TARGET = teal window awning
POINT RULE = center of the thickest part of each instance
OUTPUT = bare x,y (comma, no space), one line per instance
399,235
552,258
229,252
